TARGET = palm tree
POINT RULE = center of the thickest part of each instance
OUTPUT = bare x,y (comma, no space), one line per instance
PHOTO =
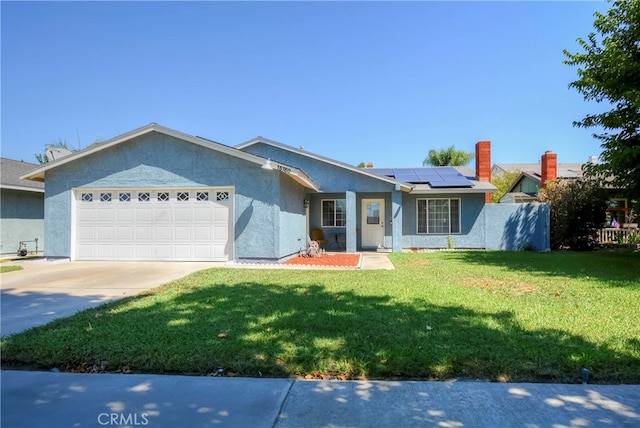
447,157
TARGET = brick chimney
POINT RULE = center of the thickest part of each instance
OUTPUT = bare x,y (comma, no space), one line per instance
483,164
549,168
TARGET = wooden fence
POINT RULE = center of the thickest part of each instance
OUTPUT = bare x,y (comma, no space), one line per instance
611,235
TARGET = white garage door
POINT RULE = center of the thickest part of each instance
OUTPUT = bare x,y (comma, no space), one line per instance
154,224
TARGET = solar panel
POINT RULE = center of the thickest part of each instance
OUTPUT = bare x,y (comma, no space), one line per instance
384,171
451,178
406,174
435,176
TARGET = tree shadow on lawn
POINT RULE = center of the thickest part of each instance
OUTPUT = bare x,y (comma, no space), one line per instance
615,269
256,329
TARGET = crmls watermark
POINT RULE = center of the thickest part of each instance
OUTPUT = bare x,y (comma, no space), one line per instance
119,419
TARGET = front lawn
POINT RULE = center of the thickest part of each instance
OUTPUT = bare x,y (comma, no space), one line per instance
505,316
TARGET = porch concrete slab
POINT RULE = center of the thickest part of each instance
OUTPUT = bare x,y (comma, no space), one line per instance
46,290
376,260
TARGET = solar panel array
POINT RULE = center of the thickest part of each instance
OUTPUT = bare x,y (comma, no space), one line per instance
444,176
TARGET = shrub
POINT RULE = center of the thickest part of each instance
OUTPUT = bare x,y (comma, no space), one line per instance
578,210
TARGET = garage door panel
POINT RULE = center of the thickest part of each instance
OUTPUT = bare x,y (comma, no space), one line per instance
143,233
105,214
154,224
124,251
106,251
163,251
124,214
182,251
221,213
163,214
143,214
203,251
86,215
202,214
124,233
163,233
86,233
202,233
143,251
104,233
182,233
182,214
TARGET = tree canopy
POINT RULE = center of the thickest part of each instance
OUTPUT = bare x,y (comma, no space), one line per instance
609,71
447,157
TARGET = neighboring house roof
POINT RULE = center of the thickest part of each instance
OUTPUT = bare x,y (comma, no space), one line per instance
296,174
10,173
565,170
403,186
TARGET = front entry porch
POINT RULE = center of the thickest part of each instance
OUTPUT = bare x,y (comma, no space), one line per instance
350,221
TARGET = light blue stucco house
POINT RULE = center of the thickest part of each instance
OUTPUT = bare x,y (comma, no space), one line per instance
159,194
21,209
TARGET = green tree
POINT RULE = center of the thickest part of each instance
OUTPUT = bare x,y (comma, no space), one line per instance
578,209
609,71
503,182
447,157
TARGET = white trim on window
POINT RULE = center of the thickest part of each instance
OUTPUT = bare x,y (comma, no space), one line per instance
336,214
438,218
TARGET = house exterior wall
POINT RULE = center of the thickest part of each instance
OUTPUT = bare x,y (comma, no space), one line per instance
159,161
488,226
337,183
471,234
527,185
329,177
293,224
517,226
21,219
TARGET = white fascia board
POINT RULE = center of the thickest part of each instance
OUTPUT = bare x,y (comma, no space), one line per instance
23,188
451,190
295,173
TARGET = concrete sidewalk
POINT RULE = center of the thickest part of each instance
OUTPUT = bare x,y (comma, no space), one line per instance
38,399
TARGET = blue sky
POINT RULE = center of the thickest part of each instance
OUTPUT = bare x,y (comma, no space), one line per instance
379,82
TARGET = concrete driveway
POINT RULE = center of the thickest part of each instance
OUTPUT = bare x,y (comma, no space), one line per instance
46,290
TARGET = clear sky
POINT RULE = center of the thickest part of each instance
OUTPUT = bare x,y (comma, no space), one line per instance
379,82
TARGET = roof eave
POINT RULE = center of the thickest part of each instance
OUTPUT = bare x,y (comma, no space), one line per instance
22,188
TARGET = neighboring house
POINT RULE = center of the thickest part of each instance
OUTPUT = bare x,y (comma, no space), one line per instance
532,176
159,194
21,208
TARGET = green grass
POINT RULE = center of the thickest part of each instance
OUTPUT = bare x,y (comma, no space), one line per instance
9,268
507,316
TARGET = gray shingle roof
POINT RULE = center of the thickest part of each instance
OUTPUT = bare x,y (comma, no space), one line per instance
10,172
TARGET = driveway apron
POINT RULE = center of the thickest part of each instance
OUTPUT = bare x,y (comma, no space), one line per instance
44,291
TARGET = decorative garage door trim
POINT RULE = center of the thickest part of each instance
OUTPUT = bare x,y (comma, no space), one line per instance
194,224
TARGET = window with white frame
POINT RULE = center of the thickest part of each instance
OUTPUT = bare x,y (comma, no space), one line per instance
438,216
334,213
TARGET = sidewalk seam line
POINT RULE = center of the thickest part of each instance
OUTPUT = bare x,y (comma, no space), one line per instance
286,397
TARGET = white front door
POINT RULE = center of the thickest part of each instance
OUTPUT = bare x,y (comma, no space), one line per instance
373,223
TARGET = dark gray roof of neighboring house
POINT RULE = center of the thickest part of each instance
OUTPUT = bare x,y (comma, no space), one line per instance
10,172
